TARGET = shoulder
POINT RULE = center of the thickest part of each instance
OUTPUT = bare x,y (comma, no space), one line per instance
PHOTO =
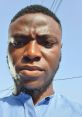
6,100
68,107
14,100
62,100
6,104
9,101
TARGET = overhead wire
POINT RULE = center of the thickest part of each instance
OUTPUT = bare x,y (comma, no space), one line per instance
55,5
56,2
58,6
9,88
69,78
52,4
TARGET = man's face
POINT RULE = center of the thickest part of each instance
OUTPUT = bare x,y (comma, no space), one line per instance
35,49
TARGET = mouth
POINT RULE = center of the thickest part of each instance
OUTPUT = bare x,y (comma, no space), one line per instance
30,68
30,71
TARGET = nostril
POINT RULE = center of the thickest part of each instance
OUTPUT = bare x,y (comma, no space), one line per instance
37,58
27,59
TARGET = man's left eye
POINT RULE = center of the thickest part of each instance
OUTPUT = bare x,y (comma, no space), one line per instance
48,44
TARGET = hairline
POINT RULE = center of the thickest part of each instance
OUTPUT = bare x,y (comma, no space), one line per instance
38,13
37,9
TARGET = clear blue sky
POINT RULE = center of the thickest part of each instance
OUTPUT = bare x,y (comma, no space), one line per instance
70,14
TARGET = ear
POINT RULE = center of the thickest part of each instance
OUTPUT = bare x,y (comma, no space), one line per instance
61,45
16,88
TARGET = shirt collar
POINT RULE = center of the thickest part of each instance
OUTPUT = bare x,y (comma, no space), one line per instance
26,97
45,101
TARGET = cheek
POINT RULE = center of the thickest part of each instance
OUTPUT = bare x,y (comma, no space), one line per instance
55,59
15,55
52,60
53,64
52,57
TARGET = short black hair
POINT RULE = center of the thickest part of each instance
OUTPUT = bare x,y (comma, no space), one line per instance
36,9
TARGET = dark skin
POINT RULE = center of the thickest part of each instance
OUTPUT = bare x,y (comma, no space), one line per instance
35,50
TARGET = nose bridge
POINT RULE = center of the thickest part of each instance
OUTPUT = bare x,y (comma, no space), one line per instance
32,49
32,31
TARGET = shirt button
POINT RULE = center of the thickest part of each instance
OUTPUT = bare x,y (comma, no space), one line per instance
47,98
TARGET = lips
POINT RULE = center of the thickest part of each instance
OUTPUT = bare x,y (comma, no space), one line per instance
30,68
30,71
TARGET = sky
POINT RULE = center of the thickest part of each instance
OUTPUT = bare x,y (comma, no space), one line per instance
70,16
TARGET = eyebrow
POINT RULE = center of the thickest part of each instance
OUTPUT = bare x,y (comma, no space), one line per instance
41,36
46,36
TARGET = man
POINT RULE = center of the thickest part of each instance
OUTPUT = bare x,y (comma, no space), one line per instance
34,54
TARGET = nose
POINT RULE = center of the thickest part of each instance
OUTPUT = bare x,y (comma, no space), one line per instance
31,52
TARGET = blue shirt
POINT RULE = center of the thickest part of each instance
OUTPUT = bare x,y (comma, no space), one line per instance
52,106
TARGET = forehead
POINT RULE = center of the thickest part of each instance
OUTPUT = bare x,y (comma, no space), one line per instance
35,21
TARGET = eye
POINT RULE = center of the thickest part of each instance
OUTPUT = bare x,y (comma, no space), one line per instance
18,41
47,42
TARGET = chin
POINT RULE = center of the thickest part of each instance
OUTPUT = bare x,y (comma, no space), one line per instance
37,87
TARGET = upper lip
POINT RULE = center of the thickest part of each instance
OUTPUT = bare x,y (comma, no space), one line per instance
30,68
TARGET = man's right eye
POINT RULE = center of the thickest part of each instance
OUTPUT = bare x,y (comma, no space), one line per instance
19,41
17,44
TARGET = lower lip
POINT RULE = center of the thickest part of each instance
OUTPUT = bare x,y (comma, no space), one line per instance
28,73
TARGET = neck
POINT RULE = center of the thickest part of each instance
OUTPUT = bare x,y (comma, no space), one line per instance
37,96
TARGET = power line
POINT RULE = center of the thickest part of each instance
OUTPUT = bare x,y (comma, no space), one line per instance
52,4
9,88
55,3
58,6
69,78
